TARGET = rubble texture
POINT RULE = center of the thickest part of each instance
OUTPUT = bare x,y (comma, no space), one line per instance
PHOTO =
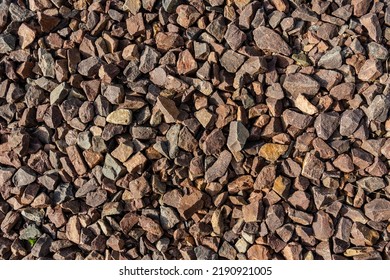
215,129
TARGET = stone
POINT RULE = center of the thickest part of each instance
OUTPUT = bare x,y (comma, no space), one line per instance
296,119
7,43
186,140
232,61
89,67
63,193
312,167
370,70
135,25
168,217
76,159
322,226
150,226
26,35
149,59
238,134
299,83
303,104
371,23
204,117
190,204
227,251
281,186
120,116
135,163
187,15
343,91
112,169
253,212
234,37
73,229
377,51
332,59
133,6
272,152
23,177
46,63
379,108
42,246
350,120
258,252
268,40
186,63
204,253
274,217
168,109
170,5
214,142
326,123
371,184
360,7
217,28
378,210
344,163
220,166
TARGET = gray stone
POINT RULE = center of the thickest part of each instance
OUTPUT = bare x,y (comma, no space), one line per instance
170,5
112,169
63,192
30,232
59,94
326,123
173,137
217,28
332,59
23,177
238,134
299,83
204,253
149,59
7,43
46,63
231,61
168,217
349,121
377,51
84,140
33,214
234,37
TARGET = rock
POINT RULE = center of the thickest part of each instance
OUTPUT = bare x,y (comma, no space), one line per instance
135,163
166,41
120,116
204,117
350,120
379,108
190,204
299,83
268,40
186,140
326,123
232,61
304,105
30,232
234,37
112,169
150,226
219,168
26,35
186,63
280,5
89,67
322,226
214,142
371,23
296,119
377,51
227,251
23,177
76,159
238,135
304,13
204,253
73,229
378,210
360,7
7,43
217,28
133,6
168,217
331,59
253,212
42,246
274,217
170,5
168,108
258,252
371,70
344,163
187,15
312,167
371,184
62,193
272,152
148,60
46,62
135,25
343,91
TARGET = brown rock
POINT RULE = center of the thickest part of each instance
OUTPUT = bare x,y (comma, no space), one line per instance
76,159
26,35
272,152
267,39
187,15
186,63
258,252
190,204
219,168
73,228
299,83
322,226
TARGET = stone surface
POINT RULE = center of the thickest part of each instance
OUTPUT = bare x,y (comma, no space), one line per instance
268,40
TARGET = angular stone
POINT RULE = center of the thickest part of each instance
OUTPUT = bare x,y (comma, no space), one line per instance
253,212
296,119
350,120
26,35
304,105
136,163
234,37
322,226
238,134
149,59
299,83
7,43
73,229
259,252
42,246
46,63
377,51
120,116
168,217
89,67
370,70
343,91
214,142
217,28
379,108
267,39
220,166
272,152
371,23
186,140
186,63
76,159
371,184
360,7
190,204
344,163
378,210
326,123
135,24
187,15
23,177
312,167
332,59
168,108
169,5
275,217
232,61
150,226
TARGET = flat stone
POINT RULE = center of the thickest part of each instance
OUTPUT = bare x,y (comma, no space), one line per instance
168,108
217,28
379,108
370,70
42,246
303,104
267,39
371,23
232,61
312,167
350,120
322,226
360,7
332,59
26,35
186,64
214,142
371,184
73,229
190,204
343,91
275,217
234,37
170,5
296,119
23,177
112,169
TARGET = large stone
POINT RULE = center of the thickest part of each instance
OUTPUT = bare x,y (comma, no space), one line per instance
268,40
219,168
272,152
326,123
378,210
299,83
238,134
120,116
